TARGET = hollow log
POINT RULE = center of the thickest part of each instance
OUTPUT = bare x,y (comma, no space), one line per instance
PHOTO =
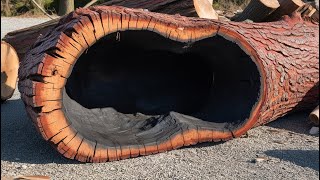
257,10
110,83
314,116
286,7
9,70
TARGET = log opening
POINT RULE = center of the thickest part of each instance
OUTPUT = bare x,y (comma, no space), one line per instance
116,85
117,53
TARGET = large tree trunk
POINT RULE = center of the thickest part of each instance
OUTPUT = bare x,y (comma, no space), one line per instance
99,92
65,7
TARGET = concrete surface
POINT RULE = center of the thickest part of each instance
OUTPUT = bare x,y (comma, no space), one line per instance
289,151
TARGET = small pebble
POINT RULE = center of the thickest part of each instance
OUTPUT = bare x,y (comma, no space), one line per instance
259,159
278,142
314,130
219,11
113,169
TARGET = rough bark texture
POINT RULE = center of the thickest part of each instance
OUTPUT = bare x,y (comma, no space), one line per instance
9,70
257,10
286,54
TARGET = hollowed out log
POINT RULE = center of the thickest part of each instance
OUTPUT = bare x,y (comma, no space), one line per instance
109,83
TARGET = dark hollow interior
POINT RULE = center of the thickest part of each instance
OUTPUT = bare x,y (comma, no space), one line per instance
135,86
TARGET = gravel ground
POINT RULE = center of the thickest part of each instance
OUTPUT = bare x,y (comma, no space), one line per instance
289,151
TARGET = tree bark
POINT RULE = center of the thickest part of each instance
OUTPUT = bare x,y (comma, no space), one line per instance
285,53
65,7
9,70
257,10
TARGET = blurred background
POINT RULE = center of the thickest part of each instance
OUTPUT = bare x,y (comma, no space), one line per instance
61,7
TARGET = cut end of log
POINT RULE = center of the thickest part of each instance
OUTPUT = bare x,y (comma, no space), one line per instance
9,70
314,116
270,4
109,83
204,9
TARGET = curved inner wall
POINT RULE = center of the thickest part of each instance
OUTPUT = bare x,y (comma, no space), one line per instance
139,86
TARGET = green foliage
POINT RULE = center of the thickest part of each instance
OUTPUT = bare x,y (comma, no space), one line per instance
18,7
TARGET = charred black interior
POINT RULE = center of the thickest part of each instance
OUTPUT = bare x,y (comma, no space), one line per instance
135,86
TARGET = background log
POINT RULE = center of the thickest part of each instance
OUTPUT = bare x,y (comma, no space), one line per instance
285,53
309,10
190,8
257,10
65,7
9,71
287,7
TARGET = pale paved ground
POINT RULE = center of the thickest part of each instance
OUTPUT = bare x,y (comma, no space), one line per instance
291,152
